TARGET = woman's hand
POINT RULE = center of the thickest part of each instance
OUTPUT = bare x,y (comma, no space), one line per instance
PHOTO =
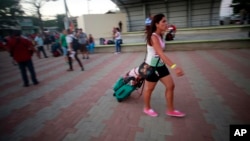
178,71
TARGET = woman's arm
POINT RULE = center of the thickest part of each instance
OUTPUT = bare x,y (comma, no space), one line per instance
157,47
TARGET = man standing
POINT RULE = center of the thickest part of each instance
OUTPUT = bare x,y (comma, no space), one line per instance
21,50
83,40
120,26
39,43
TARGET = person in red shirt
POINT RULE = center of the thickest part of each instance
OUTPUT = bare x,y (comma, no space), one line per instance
21,50
2,47
171,30
6,47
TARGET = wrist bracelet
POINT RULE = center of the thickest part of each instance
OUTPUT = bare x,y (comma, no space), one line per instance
173,66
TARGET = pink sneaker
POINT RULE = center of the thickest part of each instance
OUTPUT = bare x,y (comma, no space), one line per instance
150,112
175,113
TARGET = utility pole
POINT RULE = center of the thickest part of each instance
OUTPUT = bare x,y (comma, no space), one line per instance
88,6
66,18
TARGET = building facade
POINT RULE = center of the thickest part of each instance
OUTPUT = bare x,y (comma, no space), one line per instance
101,25
182,13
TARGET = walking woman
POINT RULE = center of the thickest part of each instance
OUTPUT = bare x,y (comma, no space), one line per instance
155,47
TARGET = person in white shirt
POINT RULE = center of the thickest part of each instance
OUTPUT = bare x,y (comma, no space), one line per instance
72,50
40,44
118,41
155,53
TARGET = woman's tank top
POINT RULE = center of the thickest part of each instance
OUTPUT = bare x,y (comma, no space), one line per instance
152,57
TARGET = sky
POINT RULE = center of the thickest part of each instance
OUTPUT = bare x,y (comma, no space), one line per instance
80,7
225,9
77,7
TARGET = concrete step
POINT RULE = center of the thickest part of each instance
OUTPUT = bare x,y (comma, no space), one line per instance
220,37
211,29
182,45
189,34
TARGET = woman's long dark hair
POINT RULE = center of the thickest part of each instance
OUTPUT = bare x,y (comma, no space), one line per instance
156,19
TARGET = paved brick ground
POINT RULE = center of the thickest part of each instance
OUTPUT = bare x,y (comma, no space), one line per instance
79,106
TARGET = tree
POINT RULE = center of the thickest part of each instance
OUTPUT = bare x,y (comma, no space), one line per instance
239,5
60,21
36,9
49,23
10,10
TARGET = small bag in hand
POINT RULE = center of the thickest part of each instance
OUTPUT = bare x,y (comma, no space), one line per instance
146,70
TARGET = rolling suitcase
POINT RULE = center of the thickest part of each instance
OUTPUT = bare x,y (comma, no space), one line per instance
122,90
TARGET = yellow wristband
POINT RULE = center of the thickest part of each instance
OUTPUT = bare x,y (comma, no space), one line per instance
173,66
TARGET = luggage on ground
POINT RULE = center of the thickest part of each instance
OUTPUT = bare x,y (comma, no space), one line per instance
102,40
56,53
125,85
122,90
110,42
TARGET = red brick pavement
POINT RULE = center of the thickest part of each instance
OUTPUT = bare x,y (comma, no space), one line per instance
232,63
23,92
8,71
186,129
68,118
118,127
9,122
233,96
243,53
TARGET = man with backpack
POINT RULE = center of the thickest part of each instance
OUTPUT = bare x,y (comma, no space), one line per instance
73,46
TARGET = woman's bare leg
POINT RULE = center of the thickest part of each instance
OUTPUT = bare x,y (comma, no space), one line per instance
148,89
169,93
